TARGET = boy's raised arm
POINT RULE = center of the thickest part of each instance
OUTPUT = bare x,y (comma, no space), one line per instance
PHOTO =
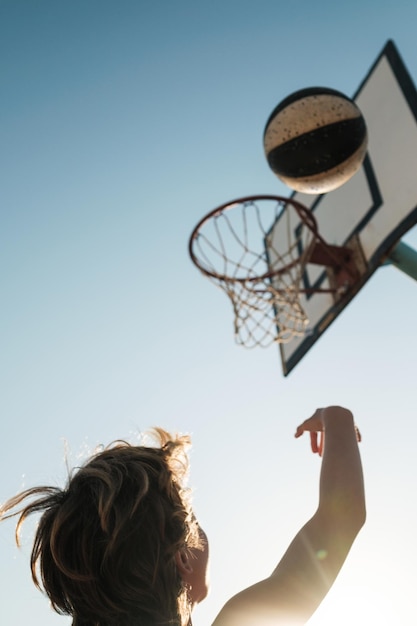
314,558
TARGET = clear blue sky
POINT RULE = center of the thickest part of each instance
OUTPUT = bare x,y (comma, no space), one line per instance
121,124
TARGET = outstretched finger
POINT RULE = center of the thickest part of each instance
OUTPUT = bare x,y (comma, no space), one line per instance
321,443
314,443
299,431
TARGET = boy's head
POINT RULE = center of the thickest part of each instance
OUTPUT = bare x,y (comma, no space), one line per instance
116,545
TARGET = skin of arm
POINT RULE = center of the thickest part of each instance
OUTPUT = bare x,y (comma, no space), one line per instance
314,558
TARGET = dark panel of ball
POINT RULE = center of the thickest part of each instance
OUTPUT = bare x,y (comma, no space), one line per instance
318,150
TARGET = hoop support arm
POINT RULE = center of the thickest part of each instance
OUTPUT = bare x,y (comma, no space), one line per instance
404,258
339,258
332,256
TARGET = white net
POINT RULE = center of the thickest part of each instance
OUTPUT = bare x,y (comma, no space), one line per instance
259,267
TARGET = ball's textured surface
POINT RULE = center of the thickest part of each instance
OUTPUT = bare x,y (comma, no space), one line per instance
315,140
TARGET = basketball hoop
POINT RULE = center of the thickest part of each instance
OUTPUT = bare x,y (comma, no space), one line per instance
232,246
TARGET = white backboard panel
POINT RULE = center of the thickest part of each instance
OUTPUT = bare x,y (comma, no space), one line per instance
378,205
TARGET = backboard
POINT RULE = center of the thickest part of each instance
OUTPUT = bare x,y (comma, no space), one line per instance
376,207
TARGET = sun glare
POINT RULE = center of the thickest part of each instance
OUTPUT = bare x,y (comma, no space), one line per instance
356,605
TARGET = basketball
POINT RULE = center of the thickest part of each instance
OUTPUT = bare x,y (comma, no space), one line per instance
315,140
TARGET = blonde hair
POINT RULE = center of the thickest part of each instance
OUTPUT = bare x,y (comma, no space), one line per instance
104,550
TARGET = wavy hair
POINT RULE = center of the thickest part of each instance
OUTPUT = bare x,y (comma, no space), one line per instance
104,549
